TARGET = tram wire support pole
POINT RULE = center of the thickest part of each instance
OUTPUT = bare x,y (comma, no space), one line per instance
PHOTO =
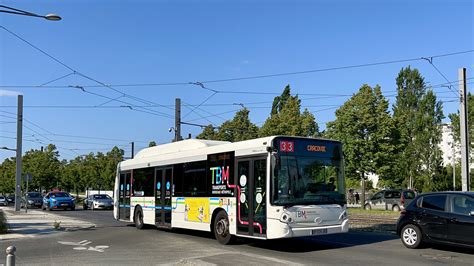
177,120
19,136
463,126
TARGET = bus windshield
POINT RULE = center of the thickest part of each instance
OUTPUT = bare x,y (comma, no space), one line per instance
305,180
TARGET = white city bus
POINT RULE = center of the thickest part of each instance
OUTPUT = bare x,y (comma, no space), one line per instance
266,188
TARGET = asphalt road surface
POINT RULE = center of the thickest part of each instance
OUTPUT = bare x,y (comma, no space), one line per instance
117,243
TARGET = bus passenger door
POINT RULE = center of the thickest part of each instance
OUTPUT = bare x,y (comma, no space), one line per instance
163,177
124,196
252,205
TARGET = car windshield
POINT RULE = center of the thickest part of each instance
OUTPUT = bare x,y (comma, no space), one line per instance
59,195
34,195
102,197
307,180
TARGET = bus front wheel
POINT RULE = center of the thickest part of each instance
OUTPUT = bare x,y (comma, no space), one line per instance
138,217
221,228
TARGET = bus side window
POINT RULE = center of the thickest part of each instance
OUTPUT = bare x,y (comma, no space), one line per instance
178,179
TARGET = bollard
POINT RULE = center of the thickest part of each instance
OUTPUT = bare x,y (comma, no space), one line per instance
11,256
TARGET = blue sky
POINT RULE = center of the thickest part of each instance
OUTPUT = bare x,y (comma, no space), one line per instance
155,42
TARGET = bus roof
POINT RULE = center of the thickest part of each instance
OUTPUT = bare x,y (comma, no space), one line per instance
194,150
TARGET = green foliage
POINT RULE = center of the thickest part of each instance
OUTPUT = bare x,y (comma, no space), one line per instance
364,126
44,166
287,119
93,170
238,129
470,118
3,223
417,117
152,144
7,176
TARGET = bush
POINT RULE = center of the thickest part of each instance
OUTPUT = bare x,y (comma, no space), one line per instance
3,223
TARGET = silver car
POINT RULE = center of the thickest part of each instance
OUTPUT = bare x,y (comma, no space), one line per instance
98,201
3,201
391,199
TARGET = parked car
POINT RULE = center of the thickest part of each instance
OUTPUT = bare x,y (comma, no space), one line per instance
390,199
32,199
58,200
11,198
443,217
3,201
98,201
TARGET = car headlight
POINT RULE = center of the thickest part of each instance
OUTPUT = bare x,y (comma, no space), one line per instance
30,202
53,200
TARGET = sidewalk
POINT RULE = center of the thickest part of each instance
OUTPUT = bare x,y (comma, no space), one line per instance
38,222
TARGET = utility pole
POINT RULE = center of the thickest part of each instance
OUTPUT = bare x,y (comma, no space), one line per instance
177,120
466,186
133,150
19,135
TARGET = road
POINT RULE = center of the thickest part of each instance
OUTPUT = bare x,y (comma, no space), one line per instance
114,243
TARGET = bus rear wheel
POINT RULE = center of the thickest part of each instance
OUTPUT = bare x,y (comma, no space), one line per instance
138,218
221,228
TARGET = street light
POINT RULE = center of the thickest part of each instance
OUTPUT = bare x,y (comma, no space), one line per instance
6,148
10,10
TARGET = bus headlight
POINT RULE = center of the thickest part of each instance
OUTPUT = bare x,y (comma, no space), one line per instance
286,218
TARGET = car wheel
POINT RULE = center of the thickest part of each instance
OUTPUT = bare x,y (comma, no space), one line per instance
138,218
367,207
73,208
84,206
221,228
411,236
396,208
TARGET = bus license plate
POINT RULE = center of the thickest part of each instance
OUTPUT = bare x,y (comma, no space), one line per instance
319,231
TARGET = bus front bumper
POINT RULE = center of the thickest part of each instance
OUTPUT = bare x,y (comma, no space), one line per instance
283,230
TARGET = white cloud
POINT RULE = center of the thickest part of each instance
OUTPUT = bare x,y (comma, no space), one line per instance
9,93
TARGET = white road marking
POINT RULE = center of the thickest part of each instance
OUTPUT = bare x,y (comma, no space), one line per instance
84,245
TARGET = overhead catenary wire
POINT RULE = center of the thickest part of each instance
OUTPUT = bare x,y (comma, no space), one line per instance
75,71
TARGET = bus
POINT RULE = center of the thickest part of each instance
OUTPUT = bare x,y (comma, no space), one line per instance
265,188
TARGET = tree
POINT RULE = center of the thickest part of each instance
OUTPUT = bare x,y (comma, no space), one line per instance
364,126
152,144
287,119
470,118
417,117
44,166
7,176
208,132
238,128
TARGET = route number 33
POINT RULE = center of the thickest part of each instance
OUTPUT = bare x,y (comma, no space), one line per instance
287,146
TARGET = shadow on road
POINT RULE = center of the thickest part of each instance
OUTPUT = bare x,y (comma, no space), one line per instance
457,249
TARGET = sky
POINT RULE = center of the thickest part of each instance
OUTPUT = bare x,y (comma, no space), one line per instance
108,73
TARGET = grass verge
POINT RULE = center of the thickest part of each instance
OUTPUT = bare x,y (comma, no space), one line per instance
361,211
3,223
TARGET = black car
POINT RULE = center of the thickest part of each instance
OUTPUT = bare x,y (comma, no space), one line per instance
443,217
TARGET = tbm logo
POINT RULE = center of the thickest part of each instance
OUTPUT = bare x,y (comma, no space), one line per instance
219,174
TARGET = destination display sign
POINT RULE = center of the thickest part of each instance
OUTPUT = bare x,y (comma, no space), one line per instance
308,147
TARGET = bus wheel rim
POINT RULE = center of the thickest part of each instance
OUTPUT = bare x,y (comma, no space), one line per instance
221,227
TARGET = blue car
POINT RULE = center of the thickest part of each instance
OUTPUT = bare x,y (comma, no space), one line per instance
58,200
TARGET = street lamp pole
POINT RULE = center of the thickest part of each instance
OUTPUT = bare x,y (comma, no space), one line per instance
19,136
10,10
